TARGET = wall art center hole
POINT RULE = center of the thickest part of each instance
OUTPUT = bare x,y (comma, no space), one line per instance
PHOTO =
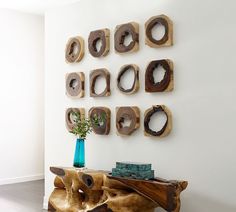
158,74
158,31
101,122
72,118
98,45
74,49
125,122
127,79
74,83
127,39
100,85
157,121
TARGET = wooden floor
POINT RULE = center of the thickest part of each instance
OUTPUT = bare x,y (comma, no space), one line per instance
22,197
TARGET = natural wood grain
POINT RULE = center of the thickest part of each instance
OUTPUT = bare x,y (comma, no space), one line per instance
90,190
131,114
135,87
75,84
167,39
104,36
167,83
121,32
166,129
69,118
74,49
164,193
102,128
58,183
92,79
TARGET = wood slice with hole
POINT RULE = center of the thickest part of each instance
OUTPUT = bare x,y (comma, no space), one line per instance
121,32
127,113
167,39
104,36
75,84
92,79
167,83
167,126
104,128
69,119
71,55
135,86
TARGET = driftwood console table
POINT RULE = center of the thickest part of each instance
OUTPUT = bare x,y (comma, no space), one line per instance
96,191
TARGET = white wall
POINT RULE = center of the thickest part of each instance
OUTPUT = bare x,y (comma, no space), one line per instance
201,147
21,96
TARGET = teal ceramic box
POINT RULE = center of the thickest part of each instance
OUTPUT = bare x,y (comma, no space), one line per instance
140,171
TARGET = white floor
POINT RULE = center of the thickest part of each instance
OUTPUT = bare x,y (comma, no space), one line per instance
22,197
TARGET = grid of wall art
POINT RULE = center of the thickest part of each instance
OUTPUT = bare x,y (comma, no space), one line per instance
99,46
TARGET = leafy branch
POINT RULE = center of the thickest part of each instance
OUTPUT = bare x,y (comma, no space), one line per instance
84,126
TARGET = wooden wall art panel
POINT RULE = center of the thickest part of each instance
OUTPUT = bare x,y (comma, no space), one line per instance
166,84
103,128
127,114
167,126
75,84
74,49
69,117
93,77
135,85
121,32
102,35
167,39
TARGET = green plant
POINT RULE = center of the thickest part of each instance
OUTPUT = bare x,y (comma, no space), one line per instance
84,126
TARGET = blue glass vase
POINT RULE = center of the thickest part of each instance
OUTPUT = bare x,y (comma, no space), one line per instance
79,157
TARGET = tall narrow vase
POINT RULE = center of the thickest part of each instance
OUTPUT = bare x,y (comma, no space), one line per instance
79,157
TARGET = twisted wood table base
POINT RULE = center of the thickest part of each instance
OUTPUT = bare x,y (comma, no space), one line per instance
96,191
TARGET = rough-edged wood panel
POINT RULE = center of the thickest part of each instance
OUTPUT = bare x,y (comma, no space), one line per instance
127,114
69,117
134,88
167,39
93,77
167,83
104,36
74,49
165,130
103,113
75,84
121,32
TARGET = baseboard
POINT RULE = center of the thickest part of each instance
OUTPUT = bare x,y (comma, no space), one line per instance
45,203
21,179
